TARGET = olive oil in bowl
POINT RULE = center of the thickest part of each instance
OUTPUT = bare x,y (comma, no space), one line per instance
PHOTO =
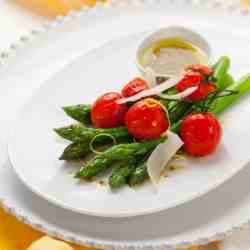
171,56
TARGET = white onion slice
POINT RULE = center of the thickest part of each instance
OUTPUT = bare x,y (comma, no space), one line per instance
180,95
153,91
162,154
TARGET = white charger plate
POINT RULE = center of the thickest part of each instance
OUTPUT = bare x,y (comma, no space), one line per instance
34,148
227,211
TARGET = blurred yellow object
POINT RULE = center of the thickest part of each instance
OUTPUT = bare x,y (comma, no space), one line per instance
49,244
246,3
52,8
15,235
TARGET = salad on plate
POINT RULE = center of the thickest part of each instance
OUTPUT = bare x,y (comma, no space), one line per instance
155,118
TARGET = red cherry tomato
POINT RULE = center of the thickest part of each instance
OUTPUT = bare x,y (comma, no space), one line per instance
203,69
146,119
192,79
134,87
201,133
106,113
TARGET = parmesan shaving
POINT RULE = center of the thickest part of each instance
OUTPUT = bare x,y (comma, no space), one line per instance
162,154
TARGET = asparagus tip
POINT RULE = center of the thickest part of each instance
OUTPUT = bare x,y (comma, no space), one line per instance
62,158
78,175
57,131
65,108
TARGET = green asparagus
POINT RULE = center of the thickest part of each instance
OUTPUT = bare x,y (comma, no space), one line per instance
79,113
80,133
121,174
75,151
241,88
121,152
229,80
139,174
176,112
220,72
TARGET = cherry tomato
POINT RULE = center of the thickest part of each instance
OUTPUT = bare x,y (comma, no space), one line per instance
146,119
106,113
201,133
203,69
134,87
192,79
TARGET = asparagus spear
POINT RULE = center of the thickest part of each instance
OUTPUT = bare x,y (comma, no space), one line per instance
79,113
242,87
121,152
130,173
176,112
82,137
75,151
78,150
80,133
229,80
139,174
220,72
121,174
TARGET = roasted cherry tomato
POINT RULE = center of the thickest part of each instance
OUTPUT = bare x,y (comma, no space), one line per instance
203,69
201,133
106,112
134,87
192,79
146,119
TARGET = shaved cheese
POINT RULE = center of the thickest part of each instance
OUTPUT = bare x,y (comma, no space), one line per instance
153,91
150,76
180,95
162,154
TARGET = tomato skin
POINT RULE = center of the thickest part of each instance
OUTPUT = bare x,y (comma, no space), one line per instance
202,69
106,112
134,87
146,119
201,133
192,79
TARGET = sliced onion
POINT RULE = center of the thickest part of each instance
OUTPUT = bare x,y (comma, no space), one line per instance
180,95
162,154
153,91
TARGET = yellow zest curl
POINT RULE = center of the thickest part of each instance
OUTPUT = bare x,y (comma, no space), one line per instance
91,147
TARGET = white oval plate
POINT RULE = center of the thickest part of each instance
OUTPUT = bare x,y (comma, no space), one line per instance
34,148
